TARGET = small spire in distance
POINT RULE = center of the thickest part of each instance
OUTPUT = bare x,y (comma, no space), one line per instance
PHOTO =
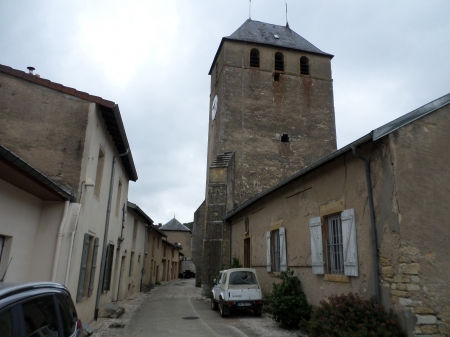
250,11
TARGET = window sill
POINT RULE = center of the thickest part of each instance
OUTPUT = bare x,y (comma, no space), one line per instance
336,278
275,273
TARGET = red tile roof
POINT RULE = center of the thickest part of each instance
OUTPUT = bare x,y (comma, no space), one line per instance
56,86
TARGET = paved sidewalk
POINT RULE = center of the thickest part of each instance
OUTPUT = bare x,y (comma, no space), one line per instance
117,327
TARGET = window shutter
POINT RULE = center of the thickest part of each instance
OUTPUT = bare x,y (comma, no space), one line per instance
283,260
94,266
108,269
82,276
269,260
349,242
315,227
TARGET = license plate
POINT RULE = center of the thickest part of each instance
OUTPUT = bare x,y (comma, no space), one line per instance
245,304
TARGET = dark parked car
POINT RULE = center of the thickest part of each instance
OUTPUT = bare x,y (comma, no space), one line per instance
40,309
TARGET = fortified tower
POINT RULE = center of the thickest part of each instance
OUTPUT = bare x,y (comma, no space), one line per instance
271,114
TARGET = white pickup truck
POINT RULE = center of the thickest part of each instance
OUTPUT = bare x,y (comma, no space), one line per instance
236,288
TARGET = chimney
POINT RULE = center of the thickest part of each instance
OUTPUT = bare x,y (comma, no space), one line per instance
30,70
159,225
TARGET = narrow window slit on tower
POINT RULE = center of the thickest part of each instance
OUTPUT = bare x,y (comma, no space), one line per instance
254,58
285,138
276,77
304,65
279,61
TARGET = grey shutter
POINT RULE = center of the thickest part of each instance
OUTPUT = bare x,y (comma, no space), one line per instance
108,269
269,260
315,227
349,242
283,261
82,276
94,266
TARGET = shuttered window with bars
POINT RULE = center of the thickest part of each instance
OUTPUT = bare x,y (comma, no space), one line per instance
333,244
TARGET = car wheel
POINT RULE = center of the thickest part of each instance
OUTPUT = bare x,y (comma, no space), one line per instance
213,303
222,308
257,311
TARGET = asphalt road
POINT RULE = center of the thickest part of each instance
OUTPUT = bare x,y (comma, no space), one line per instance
177,308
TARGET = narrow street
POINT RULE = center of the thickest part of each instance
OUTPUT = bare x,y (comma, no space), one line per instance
177,308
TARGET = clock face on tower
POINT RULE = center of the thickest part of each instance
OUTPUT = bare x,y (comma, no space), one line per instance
214,107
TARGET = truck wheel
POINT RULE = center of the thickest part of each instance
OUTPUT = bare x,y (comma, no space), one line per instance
213,304
222,308
257,311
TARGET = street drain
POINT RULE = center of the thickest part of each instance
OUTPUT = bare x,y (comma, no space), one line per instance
117,325
190,318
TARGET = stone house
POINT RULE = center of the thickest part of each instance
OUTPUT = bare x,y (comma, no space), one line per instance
170,261
79,142
177,232
153,261
370,218
131,253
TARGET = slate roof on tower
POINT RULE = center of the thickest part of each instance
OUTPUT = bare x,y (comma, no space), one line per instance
174,225
264,33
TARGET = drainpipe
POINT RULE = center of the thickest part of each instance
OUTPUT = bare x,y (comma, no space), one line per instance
59,239
372,220
71,246
105,237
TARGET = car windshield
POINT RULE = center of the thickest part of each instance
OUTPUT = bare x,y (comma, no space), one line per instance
242,277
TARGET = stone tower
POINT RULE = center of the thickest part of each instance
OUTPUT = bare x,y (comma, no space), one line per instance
271,114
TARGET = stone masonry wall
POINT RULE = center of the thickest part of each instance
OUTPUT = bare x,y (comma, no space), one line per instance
409,293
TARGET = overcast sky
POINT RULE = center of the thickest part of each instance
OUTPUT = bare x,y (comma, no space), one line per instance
153,57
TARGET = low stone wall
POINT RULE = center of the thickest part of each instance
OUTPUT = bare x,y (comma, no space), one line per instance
408,292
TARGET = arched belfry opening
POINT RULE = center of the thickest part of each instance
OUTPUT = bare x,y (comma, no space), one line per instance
304,65
279,61
254,58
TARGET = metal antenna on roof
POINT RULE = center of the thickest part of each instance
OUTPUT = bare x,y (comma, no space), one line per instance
250,11
287,23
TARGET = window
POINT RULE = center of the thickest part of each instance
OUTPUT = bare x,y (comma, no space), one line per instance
334,253
88,266
242,277
276,77
153,246
276,250
68,313
285,138
279,61
164,251
130,271
99,174
5,324
304,65
119,194
254,58
247,251
108,270
333,244
135,227
40,317
246,225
